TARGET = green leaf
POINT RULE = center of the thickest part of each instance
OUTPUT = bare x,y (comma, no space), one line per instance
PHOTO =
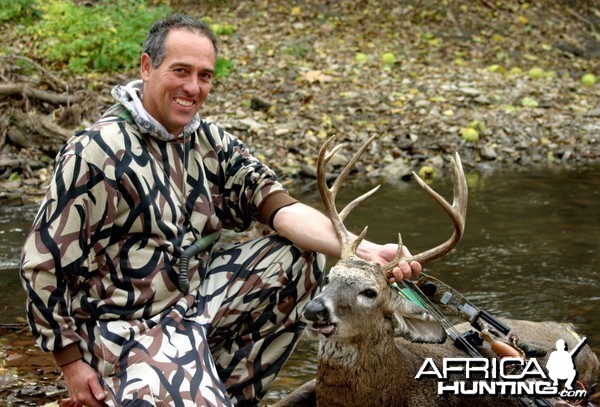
14,177
529,102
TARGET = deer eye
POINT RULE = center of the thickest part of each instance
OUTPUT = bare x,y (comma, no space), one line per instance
369,293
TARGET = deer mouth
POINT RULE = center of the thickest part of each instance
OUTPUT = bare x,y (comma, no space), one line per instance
324,328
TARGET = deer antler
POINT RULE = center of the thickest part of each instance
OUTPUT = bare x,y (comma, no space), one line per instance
348,248
457,212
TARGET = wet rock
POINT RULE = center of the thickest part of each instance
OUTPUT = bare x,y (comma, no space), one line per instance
488,152
395,172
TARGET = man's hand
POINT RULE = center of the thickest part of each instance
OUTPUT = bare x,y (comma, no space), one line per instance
384,254
83,384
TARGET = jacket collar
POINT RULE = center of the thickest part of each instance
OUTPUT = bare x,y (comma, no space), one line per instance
129,97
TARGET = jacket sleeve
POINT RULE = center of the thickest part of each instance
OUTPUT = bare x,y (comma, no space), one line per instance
69,231
251,191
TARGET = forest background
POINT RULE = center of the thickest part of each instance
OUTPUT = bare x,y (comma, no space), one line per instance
509,84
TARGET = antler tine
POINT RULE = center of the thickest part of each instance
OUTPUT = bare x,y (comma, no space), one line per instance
342,177
328,195
357,201
457,212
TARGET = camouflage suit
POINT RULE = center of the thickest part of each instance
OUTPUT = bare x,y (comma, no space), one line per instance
101,263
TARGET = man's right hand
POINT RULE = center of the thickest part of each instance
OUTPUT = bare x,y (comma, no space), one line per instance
83,384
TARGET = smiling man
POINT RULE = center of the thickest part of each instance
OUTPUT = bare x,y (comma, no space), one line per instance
176,87
104,268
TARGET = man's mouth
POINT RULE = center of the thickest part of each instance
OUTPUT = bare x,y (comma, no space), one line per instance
184,102
324,328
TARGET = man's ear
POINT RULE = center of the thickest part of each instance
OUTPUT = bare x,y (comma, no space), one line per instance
145,65
415,323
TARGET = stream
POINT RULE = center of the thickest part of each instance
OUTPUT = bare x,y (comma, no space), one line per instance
531,248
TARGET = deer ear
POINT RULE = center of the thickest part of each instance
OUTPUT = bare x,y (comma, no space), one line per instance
415,323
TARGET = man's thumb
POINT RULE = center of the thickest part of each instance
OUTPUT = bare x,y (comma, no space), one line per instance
97,389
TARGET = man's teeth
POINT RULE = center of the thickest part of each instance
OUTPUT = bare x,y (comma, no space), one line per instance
184,102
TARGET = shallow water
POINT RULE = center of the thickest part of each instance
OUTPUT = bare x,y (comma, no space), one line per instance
530,251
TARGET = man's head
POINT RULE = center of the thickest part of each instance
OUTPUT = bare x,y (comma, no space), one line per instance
178,66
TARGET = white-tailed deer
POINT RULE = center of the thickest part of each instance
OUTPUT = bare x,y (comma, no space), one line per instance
373,341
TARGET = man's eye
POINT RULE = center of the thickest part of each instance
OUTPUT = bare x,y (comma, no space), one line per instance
206,77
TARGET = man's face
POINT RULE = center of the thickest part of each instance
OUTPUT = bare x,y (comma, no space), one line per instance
175,90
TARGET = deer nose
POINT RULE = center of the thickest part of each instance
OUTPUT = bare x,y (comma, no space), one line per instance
316,311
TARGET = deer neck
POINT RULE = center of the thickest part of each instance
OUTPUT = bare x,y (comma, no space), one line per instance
354,373
358,354
373,340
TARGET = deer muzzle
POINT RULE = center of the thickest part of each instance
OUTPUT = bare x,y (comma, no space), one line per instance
317,313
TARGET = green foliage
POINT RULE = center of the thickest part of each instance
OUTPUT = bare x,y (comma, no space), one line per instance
223,68
297,48
529,102
25,66
17,11
104,37
14,177
222,29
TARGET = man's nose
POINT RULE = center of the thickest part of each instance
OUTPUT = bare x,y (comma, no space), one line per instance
192,86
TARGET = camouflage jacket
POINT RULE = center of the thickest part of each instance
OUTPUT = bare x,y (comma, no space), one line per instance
108,235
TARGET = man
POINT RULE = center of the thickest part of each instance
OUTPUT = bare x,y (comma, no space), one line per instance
129,195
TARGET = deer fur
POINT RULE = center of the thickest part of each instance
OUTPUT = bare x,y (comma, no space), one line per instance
362,361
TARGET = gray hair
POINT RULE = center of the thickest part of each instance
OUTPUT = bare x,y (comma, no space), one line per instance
154,45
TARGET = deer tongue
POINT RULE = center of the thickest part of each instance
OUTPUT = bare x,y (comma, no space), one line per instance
322,328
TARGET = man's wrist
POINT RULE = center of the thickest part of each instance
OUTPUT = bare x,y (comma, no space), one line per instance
68,354
365,249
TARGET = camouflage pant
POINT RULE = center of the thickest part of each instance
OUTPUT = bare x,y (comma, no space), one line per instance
226,346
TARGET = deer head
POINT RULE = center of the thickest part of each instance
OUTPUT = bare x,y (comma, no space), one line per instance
357,296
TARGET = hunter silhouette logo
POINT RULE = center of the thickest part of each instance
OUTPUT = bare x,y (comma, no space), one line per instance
560,364
508,375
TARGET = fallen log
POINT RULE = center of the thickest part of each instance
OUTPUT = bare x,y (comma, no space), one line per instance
34,130
23,90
